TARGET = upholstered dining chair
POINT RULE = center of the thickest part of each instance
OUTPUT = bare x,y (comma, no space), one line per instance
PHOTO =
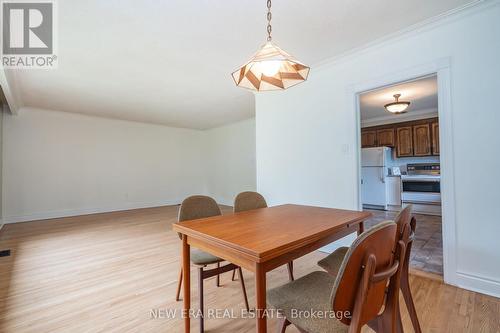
252,200
197,207
366,282
406,225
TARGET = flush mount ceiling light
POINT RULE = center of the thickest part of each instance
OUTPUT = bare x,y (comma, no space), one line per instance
270,68
397,107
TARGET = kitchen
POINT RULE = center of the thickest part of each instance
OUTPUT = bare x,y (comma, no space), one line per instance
400,163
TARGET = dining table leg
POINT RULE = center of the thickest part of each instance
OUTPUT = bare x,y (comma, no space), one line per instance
260,296
361,228
186,269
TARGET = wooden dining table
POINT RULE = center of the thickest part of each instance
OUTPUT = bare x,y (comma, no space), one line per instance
263,239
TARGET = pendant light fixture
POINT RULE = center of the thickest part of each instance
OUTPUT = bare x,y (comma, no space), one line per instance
397,107
270,68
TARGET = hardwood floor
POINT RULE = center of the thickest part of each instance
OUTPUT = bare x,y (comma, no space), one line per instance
106,272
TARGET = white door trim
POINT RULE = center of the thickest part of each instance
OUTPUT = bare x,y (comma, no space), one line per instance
441,67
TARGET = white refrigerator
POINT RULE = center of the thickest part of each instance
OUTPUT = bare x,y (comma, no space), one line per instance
375,163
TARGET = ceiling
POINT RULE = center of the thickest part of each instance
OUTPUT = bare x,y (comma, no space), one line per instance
422,94
169,62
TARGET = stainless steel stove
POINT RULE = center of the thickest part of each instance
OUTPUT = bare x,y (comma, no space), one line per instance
421,186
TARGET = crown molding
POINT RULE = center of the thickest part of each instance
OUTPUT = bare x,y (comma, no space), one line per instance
425,25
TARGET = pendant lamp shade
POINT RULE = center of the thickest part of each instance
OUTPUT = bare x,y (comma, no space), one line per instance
398,106
270,68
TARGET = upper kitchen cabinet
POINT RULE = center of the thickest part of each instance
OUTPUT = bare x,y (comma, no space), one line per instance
435,138
368,139
422,140
385,137
404,139
377,138
411,138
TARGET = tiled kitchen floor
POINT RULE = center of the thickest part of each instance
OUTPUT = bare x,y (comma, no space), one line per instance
427,250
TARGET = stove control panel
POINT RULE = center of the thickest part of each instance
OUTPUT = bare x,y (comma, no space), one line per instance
423,169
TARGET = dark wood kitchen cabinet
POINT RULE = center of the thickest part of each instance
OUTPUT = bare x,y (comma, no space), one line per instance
385,137
404,141
422,140
435,138
411,138
377,138
368,139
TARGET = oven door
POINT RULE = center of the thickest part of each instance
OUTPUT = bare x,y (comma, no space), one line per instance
421,191
423,186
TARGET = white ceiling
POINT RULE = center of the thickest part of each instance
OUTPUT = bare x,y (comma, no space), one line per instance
422,94
169,62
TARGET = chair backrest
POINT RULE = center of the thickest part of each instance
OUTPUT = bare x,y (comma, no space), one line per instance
198,207
361,284
249,200
404,222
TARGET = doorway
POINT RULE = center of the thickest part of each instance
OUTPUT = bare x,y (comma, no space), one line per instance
400,162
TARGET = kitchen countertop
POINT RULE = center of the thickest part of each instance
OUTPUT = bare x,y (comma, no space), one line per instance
422,177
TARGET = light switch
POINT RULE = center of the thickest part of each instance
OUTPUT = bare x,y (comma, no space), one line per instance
345,149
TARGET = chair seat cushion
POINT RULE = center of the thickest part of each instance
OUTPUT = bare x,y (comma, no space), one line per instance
309,293
199,257
333,261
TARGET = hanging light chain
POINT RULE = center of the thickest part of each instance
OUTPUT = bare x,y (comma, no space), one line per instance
269,17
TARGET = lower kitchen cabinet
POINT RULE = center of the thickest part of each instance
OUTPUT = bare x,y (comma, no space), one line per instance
393,186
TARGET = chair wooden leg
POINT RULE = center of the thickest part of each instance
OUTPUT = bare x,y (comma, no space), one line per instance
290,270
283,323
375,324
399,323
234,275
200,289
242,281
217,279
410,305
179,285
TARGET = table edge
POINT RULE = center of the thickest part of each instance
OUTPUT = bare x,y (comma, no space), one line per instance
269,254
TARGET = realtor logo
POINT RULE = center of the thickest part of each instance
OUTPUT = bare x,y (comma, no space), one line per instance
28,34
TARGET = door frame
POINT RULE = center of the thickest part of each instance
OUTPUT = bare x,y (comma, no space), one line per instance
442,68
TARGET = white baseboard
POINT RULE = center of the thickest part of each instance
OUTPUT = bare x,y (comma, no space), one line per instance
86,211
478,284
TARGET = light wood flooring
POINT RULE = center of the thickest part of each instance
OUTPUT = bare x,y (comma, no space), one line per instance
106,272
